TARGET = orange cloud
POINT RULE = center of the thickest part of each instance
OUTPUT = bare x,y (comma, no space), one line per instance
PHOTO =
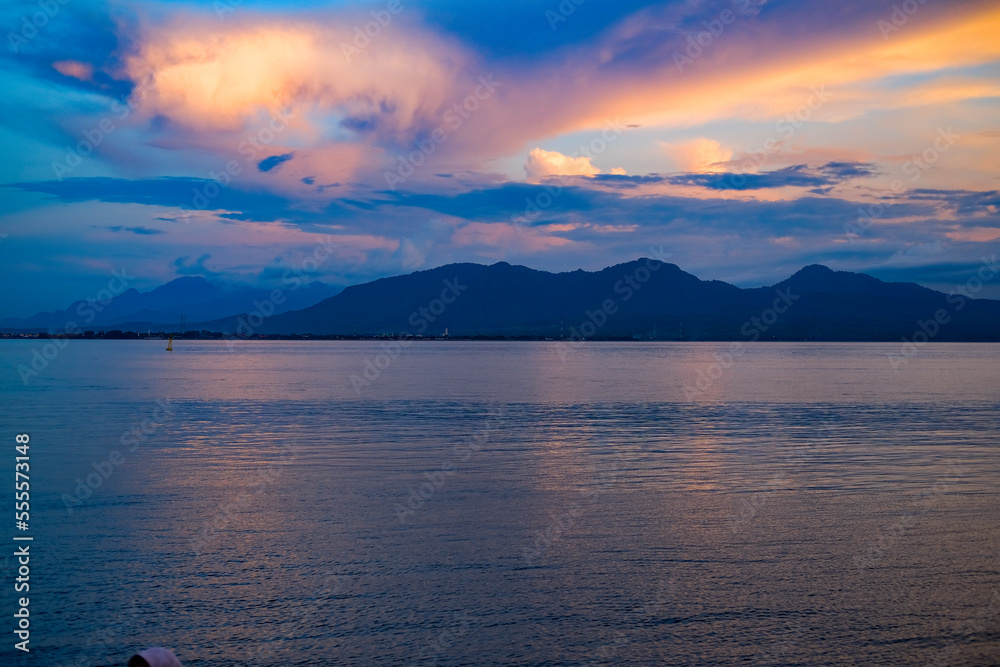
214,77
75,69
699,155
220,83
542,163
836,78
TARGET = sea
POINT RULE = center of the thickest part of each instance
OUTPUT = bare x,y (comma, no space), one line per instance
503,503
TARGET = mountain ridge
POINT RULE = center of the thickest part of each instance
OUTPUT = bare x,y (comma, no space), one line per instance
639,299
665,303
190,298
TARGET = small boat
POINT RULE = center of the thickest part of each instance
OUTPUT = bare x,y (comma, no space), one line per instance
170,344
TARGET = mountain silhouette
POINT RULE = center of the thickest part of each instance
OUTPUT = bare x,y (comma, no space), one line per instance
190,298
643,299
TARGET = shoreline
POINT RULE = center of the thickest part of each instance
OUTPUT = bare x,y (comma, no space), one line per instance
227,338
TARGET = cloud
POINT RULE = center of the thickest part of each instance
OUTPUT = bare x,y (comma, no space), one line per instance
75,69
355,113
213,91
962,202
267,164
698,155
496,239
542,164
178,193
621,181
846,170
220,76
185,266
144,231
797,175
797,62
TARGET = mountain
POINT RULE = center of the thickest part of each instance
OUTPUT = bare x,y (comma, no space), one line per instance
641,299
189,298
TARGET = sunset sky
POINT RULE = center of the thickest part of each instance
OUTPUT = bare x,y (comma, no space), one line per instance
745,139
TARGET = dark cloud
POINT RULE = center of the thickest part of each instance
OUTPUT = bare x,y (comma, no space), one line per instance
963,202
167,191
797,175
819,179
846,170
269,163
144,231
185,266
623,181
527,205
361,125
502,202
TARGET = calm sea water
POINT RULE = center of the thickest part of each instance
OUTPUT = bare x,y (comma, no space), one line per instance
508,503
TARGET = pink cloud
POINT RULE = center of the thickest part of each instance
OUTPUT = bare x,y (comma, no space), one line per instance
75,69
503,237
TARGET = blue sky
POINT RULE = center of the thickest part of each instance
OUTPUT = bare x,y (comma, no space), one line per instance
745,139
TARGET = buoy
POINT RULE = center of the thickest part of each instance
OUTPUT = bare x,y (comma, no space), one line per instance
170,344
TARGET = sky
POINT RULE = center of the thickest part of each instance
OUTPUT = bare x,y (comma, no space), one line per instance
250,141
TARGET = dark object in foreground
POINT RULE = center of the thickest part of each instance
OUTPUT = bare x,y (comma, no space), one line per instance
155,657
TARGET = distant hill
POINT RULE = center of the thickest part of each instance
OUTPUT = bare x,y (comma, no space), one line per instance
642,299
191,298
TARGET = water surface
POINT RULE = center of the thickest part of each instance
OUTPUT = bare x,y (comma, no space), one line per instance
511,503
